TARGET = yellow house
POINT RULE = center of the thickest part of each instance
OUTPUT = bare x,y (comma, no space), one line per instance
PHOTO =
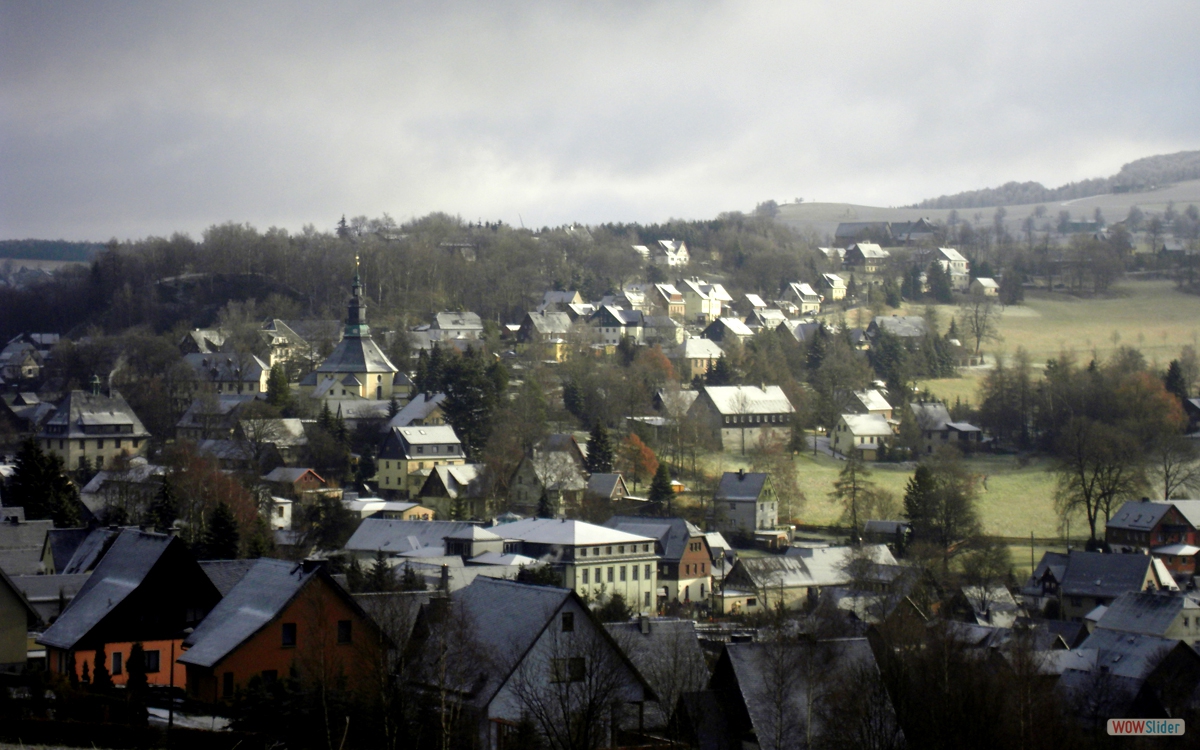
409,454
357,366
99,427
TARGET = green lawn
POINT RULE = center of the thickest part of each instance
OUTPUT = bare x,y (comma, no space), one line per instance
1018,499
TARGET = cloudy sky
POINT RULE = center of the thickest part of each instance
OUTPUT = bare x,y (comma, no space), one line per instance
130,118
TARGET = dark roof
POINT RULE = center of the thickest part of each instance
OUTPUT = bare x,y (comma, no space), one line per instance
225,574
124,567
1148,613
672,533
63,543
80,408
397,537
1099,574
741,485
89,551
603,484
257,599
357,354
1138,516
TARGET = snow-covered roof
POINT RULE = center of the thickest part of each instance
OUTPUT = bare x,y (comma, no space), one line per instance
566,532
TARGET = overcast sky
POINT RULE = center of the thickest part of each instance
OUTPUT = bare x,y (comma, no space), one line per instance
129,119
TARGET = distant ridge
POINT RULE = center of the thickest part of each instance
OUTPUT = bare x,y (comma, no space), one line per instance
48,250
1150,172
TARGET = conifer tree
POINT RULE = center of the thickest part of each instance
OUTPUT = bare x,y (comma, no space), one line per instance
87,674
221,538
136,666
165,508
660,486
101,679
1174,380
600,451
279,392
379,577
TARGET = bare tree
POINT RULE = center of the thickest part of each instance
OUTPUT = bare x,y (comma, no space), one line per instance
979,316
1175,464
1099,466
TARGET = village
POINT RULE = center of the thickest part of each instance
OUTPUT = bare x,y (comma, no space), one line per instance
524,534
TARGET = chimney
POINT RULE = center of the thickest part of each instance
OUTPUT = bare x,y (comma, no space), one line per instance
312,566
444,584
741,473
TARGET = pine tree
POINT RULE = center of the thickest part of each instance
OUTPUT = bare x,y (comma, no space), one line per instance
261,543
393,407
600,451
279,392
546,508
356,579
221,538
660,486
40,485
165,508
86,679
379,577
136,666
325,418
720,374
101,679
920,498
1174,381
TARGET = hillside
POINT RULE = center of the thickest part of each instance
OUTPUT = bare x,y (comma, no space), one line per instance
823,218
1140,175
59,250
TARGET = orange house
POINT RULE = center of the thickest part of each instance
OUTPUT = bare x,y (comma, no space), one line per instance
148,589
283,618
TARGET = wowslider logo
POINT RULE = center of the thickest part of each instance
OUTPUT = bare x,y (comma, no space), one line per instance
1145,727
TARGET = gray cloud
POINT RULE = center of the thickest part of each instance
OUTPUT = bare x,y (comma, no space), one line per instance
126,119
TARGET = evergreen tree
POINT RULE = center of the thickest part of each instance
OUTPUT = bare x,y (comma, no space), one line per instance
1174,380
279,392
325,418
939,284
40,485
410,581
137,684
165,508
101,679
356,578
379,577
393,407
600,451
86,679
261,542
853,489
797,440
473,392
660,486
221,538
546,507
720,374
614,610
366,469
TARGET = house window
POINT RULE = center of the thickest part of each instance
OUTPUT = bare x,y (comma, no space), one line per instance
227,685
610,574
621,550
420,449
568,622
622,572
645,548
647,572
568,670
599,575
751,602
635,572
646,602
152,662
585,576
289,634
100,444
117,663
583,551
344,631
733,506
608,550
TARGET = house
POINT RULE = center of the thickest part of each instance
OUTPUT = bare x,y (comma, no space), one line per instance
129,491
285,437
985,287
407,455
550,480
148,588
49,595
796,579
230,373
1118,675
669,254
95,428
685,561
803,297
905,327
447,326
703,301
515,649
853,231
212,417
870,401
60,546
956,267
546,333
559,300
398,539
283,618
456,491
864,434
294,483
376,507
832,286
741,416
913,232
664,330
1140,526
23,549
613,324
745,502
595,561
20,362
670,299
765,319
425,409
938,429
762,691
802,330
1163,614
728,330
17,618
695,357
667,652
1083,581
834,254
202,341
606,488
866,257
356,366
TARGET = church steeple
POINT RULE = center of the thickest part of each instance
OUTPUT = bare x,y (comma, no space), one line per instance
356,315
